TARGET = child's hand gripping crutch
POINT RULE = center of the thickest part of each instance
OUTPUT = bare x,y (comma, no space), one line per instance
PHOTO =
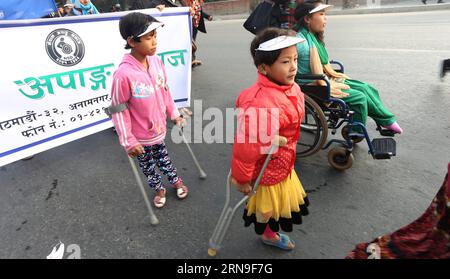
228,211
153,220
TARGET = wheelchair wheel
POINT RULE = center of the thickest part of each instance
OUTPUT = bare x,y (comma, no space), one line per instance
313,129
344,133
340,158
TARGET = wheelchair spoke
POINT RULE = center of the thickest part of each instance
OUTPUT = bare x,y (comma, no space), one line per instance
313,129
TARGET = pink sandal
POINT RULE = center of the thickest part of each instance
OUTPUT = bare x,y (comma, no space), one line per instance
182,190
159,201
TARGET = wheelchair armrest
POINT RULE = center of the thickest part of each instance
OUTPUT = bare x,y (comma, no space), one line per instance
341,66
320,93
311,76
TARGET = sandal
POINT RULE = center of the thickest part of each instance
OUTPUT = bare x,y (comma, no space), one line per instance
159,201
196,63
182,190
282,243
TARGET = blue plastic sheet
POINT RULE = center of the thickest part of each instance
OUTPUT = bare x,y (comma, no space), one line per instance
25,9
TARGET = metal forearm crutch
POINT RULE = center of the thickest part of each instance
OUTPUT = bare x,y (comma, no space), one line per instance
228,211
153,219
200,170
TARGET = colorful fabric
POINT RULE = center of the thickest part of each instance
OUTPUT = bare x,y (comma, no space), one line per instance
426,238
287,19
88,9
281,206
25,9
157,155
197,8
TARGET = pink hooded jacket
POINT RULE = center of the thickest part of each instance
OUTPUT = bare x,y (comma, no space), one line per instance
148,98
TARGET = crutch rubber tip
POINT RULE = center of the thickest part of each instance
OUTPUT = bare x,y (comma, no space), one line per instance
203,176
212,252
154,221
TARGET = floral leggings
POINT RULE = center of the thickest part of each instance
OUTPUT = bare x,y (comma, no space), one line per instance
157,155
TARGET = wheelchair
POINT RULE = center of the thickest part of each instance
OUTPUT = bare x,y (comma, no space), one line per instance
324,113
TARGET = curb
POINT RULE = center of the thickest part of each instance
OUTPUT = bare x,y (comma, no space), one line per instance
424,8
230,17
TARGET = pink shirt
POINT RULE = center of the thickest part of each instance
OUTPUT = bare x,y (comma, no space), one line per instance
148,98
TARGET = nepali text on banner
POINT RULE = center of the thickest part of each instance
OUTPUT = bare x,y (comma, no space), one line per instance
56,83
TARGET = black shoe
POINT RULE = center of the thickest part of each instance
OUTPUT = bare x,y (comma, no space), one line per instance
28,158
440,2
445,67
424,1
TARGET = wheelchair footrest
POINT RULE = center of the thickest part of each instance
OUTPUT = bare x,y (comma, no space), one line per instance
383,148
385,132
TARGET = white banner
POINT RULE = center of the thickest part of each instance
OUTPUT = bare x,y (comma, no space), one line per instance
56,76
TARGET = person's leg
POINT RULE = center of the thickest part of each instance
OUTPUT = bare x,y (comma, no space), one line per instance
269,234
357,102
147,163
195,61
194,39
375,108
194,33
166,166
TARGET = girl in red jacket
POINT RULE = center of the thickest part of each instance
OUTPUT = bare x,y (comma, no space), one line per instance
278,104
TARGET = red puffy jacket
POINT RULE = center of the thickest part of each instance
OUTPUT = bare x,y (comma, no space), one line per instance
275,105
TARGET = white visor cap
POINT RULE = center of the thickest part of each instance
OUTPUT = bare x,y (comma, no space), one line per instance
279,43
320,8
151,27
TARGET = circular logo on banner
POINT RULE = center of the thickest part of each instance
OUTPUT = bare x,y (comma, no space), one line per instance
64,47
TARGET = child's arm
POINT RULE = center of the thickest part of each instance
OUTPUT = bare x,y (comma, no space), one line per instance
120,94
207,16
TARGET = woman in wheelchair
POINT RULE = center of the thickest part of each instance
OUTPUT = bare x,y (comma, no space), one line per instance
361,97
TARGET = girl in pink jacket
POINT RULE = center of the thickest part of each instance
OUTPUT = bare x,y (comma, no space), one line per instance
140,101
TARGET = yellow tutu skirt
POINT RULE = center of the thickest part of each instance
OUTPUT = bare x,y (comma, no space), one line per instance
280,205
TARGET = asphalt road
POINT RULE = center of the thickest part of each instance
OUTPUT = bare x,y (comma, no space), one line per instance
84,192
